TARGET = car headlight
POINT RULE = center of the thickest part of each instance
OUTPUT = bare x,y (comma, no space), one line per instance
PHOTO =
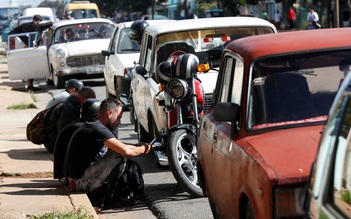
177,88
60,53
289,202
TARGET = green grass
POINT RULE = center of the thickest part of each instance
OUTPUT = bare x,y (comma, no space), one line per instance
21,106
80,213
346,197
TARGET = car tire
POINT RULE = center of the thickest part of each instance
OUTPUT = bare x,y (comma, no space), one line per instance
143,136
49,81
59,82
249,213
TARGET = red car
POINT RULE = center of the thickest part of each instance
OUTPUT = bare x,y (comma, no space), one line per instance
257,143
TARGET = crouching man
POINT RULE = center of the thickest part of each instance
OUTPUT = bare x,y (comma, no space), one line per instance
87,163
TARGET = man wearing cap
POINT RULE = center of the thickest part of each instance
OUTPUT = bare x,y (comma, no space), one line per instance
34,26
71,87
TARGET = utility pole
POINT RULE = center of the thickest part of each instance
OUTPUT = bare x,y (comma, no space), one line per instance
152,9
336,14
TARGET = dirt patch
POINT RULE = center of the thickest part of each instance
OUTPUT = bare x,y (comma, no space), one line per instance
27,175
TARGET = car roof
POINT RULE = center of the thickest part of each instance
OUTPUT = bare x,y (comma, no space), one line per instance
61,23
253,47
205,23
150,22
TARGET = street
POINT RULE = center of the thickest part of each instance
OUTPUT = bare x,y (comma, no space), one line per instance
162,195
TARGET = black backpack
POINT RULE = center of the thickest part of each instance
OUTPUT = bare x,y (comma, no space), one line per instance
125,182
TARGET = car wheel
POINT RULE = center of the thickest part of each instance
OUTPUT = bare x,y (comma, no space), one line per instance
49,81
59,82
143,136
249,213
132,116
213,209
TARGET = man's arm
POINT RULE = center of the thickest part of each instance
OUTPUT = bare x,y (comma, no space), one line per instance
44,26
127,150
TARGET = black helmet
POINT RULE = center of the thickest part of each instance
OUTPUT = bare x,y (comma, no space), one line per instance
137,29
164,72
186,66
90,108
74,83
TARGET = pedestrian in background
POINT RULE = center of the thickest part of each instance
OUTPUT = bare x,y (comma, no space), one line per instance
34,26
290,15
312,19
71,87
346,16
277,19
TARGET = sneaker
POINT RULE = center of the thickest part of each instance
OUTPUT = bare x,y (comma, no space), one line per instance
33,88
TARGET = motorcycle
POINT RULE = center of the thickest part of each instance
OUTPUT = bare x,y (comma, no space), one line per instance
182,96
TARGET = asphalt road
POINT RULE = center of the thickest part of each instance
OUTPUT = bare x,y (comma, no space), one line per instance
162,194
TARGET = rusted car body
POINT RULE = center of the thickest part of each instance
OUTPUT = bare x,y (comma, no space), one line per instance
260,137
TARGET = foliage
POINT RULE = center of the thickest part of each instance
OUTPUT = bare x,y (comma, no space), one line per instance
346,197
80,213
21,106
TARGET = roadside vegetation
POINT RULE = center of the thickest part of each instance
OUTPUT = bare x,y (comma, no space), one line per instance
80,213
22,106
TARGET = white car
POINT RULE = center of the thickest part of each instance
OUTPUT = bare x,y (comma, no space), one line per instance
70,48
121,56
192,36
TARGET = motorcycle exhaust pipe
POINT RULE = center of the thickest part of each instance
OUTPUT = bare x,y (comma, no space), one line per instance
160,153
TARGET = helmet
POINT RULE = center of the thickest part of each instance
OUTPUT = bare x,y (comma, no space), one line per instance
137,29
164,72
186,65
74,83
90,108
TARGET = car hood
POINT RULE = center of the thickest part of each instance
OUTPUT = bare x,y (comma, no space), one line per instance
208,81
289,152
87,47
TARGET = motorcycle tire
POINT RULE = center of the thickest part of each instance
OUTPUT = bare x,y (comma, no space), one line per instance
182,158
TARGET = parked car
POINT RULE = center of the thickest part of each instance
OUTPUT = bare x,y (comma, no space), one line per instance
46,12
329,190
120,58
29,18
196,36
261,134
72,48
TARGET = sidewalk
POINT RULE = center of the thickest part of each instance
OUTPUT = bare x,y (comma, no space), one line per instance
26,183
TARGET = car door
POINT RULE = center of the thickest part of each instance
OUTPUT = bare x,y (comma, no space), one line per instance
226,155
140,85
27,63
110,69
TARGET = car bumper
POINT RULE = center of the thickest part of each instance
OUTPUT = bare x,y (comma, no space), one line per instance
89,70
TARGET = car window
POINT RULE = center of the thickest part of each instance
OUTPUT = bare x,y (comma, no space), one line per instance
226,79
113,44
83,31
148,53
125,44
293,89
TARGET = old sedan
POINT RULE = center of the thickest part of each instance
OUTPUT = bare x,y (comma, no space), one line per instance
261,134
120,58
71,48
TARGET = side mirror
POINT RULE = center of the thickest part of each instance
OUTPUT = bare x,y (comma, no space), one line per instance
140,70
105,53
227,112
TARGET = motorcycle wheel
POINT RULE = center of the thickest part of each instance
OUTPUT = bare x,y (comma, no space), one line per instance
182,157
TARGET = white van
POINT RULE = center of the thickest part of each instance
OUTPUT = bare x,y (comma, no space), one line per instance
43,11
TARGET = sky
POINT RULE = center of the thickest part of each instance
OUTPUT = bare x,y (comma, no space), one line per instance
19,2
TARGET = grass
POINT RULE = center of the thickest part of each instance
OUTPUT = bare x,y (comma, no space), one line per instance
80,213
21,106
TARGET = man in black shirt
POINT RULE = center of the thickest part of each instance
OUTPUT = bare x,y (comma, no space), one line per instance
86,144
34,26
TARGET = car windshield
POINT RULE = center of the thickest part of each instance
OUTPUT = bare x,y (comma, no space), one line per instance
125,44
83,31
295,89
199,41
